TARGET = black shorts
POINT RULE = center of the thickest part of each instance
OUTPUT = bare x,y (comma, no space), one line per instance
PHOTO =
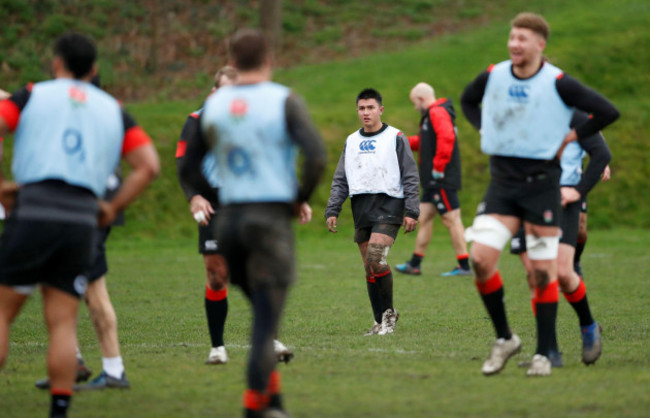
99,267
570,223
536,202
208,243
57,254
363,234
518,242
257,242
444,200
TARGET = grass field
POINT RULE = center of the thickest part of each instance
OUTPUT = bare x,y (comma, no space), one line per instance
429,367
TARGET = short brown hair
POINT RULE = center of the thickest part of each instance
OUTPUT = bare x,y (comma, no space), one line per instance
248,49
532,21
228,71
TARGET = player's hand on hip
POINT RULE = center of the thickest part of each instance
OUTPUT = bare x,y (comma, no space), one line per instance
409,224
8,194
331,224
570,137
569,195
106,214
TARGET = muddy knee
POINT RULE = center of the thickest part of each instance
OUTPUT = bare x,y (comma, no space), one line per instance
541,278
216,271
376,258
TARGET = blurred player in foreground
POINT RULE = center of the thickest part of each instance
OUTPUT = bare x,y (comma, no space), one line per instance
100,307
205,210
69,136
253,128
574,188
523,108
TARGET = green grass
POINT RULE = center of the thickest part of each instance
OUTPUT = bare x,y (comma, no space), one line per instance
429,367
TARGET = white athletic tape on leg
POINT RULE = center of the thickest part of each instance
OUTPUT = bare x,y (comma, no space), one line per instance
487,230
384,256
542,248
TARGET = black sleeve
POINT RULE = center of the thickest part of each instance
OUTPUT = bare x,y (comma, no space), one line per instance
189,171
127,120
304,133
20,97
577,95
339,190
190,130
599,156
472,97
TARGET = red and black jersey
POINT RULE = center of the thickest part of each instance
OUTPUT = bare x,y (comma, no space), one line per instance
438,146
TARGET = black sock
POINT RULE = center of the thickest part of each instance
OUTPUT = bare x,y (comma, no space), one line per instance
385,284
582,310
580,247
276,401
375,298
59,406
252,413
216,312
416,260
546,334
497,310
463,261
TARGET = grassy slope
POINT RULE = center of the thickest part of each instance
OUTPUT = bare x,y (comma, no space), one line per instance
430,367
604,45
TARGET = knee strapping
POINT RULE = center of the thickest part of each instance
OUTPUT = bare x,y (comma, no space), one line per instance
542,248
487,230
376,257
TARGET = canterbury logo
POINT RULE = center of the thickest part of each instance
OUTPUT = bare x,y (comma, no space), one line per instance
367,145
518,92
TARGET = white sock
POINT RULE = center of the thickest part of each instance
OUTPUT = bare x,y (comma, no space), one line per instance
79,358
113,366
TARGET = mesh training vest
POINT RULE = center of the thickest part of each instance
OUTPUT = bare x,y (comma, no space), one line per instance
523,118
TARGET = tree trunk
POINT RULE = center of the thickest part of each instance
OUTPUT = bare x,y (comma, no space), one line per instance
271,22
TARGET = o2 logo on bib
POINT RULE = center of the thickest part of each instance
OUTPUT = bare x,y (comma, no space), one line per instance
73,144
239,162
